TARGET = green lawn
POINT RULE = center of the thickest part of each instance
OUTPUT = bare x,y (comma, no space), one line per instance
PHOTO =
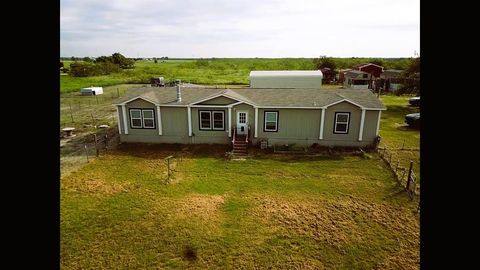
395,132
207,71
279,212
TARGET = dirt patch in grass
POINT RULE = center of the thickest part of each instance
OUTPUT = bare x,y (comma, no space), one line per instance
341,222
205,207
90,183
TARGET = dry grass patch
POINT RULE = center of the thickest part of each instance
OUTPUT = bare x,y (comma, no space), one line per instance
341,223
204,207
95,184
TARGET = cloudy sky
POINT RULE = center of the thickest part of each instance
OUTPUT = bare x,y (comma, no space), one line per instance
240,28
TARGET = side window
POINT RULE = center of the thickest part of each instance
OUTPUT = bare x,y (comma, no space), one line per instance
271,121
341,122
205,120
136,118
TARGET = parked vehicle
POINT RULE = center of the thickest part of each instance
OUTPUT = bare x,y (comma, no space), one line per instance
413,120
415,101
157,81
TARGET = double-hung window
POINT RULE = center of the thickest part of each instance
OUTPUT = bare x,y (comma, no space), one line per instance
271,122
341,122
142,118
212,120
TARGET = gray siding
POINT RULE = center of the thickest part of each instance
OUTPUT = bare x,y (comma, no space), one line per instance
302,126
286,82
209,136
174,125
296,126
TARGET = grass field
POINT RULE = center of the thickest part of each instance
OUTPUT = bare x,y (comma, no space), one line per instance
279,212
396,133
206,71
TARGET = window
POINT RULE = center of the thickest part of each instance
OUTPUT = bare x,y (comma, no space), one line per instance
365,75
136,118
341,122
148,119
142,118
218,120
271,121
212,120
205,120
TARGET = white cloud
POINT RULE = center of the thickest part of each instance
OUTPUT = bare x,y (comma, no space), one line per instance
267,28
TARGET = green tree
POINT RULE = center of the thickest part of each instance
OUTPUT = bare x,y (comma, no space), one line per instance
411,78
325,62
102,59
83,69
122,61
377,61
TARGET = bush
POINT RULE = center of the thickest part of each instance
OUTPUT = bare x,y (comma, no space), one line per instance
83,70
106,68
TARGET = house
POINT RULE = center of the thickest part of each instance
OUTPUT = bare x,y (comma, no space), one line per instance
355,79
303,116
328,75
91,91
374,70
391,79
286,79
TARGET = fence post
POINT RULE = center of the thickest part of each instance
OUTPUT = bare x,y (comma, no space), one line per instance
168,169
106,143
403,144
96,145
118,92
86,151
96,99
71,112
409,177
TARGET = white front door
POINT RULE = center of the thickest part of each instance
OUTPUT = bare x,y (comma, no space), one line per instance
242,122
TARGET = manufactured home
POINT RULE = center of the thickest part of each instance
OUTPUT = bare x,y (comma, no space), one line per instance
328,117
286,79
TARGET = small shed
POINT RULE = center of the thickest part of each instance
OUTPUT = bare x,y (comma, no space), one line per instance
356,79
91,91
286,79
373,69
392,79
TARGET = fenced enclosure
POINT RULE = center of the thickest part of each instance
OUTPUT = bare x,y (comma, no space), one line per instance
85,112
405,176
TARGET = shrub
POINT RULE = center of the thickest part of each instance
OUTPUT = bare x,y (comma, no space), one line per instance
83,69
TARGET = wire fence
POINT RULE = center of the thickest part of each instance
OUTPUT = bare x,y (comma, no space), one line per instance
405,176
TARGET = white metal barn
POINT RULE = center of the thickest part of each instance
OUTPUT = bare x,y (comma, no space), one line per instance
286,79
91,91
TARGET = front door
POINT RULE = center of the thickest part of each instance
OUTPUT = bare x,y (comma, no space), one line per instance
242,122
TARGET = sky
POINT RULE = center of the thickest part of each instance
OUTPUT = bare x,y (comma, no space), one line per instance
240,28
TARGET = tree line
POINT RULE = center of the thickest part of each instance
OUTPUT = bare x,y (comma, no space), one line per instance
102,65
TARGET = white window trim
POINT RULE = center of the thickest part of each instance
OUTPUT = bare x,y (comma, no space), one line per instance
341,122
132,118
276,121
148,118
223,120
210,117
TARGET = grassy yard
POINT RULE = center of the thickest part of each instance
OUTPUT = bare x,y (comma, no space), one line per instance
396,134
281,212
207,71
